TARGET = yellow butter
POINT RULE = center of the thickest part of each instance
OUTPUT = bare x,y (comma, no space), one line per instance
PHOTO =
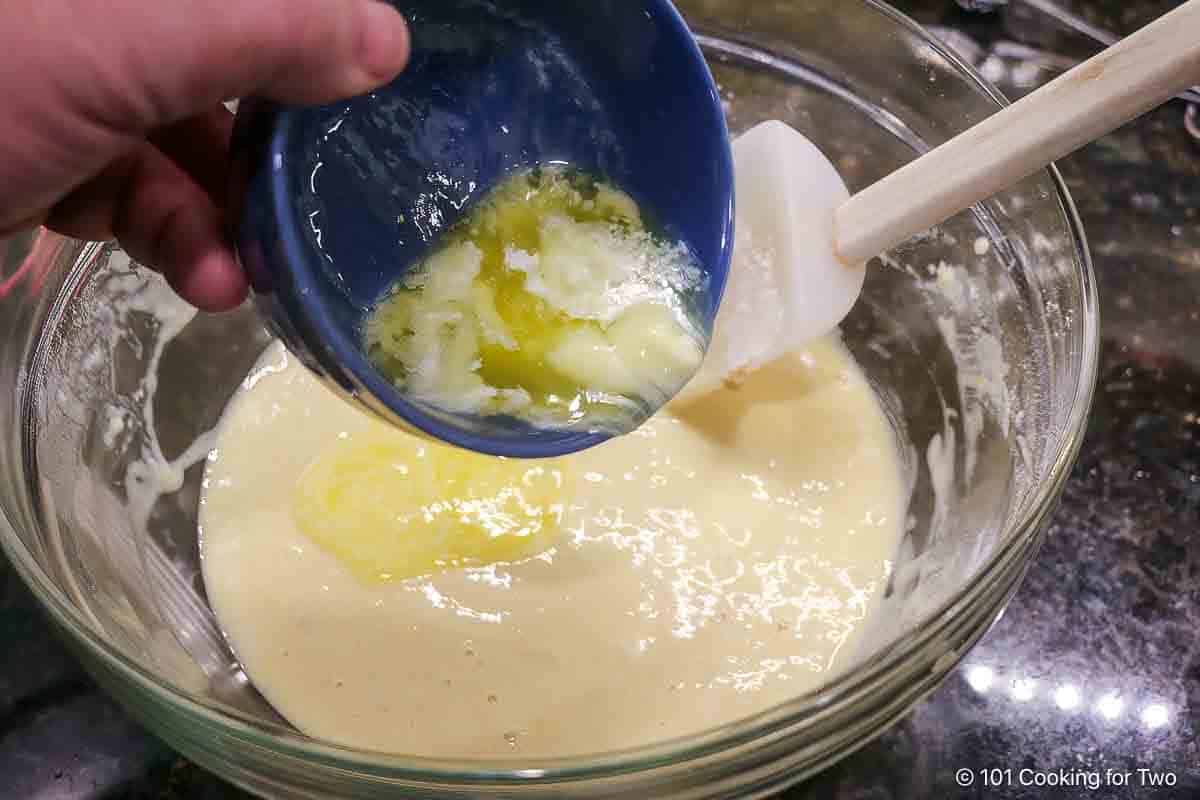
391,507
550,301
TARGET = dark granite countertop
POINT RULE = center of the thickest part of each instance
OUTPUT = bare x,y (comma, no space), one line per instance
1095,667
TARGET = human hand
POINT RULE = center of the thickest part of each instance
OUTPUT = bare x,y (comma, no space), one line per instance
112,123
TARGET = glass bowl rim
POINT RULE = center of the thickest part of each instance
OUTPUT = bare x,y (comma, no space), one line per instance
829,697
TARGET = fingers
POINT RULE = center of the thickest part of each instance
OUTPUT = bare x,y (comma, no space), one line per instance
162,217
200,145
201,268
97,76
88,212
159,202
161,64
86,80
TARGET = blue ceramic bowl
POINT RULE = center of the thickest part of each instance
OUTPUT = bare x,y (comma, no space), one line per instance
335,202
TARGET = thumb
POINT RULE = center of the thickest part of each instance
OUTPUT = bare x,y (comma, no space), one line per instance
84,81
145,65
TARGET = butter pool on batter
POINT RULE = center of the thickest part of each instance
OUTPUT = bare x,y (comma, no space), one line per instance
716,562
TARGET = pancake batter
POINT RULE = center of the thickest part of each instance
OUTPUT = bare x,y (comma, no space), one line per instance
716,562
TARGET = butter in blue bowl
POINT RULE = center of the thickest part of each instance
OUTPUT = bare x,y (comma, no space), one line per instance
605,114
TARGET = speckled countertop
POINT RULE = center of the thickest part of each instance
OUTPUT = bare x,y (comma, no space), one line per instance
1092,676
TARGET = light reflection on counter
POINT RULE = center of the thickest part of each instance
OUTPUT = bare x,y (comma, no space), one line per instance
1067,697
1110,705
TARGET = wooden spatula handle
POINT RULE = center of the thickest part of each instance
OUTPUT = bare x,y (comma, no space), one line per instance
1125,81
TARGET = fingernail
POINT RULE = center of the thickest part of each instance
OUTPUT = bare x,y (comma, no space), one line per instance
385,41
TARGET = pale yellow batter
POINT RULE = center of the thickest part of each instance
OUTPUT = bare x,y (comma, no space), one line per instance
716,562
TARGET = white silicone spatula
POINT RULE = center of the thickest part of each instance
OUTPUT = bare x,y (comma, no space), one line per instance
803,242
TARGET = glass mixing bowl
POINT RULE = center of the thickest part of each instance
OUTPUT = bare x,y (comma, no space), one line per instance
980,338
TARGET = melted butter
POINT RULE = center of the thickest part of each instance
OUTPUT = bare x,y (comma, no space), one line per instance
551,302
390,507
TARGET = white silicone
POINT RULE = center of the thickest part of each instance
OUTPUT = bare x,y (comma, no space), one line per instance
786,286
